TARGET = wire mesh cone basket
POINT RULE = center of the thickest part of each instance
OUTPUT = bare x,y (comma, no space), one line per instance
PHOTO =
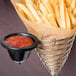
54,53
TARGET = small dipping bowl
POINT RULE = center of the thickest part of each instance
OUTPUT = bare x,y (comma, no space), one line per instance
19,54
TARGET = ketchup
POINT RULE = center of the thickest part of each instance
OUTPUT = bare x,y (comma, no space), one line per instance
19,41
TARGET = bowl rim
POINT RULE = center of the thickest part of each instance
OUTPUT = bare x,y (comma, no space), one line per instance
34,38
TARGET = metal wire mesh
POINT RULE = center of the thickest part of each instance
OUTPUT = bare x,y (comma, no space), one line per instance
54,53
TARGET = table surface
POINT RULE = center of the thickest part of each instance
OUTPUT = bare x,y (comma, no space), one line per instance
10,22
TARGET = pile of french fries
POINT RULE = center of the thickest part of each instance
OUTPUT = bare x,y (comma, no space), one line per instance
57,13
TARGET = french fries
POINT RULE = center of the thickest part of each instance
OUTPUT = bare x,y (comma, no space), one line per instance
62,14
21,11
44,12
68,3
43,9
73,4
43,17
51,15
73,19
31,7
57,13
55,4
26,11
74,12
68,22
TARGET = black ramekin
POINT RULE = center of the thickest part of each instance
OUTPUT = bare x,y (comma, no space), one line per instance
19,54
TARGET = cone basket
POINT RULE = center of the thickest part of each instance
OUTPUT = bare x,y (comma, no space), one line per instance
54,53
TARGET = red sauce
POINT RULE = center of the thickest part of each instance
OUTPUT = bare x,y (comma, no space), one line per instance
19,41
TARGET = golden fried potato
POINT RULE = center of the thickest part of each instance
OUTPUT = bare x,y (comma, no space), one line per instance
68,22
58,13
43,9
26,11
73,19
68,2
51,13
73,4
62,14
22,12
65,19
74,12
33,10
55,5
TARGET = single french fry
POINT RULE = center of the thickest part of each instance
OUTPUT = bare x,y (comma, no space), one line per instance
43,9
37,3
22,12
74,12
68,22
55,4
51,15
48,6
51,20
47,15
73,19
45,20
43,17
33,0
30,6
62,14
70,9
68,2
26,11
73,4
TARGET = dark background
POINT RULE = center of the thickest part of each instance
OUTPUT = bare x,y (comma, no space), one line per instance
10,22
